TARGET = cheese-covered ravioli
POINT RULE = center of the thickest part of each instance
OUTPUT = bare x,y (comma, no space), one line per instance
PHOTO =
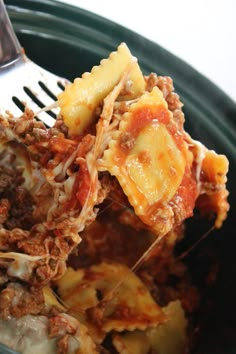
149,157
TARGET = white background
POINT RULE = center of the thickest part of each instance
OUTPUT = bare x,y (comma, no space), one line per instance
202,32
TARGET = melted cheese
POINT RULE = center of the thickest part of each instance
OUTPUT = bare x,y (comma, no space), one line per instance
28,334
19,265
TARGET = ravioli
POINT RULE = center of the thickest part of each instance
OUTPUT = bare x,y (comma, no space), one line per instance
168,338
79,101
130,307
149,157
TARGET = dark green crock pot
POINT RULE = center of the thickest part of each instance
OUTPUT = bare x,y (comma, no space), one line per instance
68,41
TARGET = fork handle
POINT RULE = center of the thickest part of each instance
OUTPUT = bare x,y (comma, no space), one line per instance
10,49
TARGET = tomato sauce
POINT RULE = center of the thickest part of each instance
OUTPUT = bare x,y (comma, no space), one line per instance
145,115
142,117
82,184
187,193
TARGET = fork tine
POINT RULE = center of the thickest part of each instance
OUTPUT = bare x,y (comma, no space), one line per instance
24,77
21,78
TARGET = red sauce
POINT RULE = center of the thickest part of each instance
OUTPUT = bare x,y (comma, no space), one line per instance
85,145
82,183
45,158
177,136
186,194
145,115
81,187
144,157
142,117
184,199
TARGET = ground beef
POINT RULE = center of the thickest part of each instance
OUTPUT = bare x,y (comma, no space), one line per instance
63,344
16,203
165,84
173,101
59,326
3,277
17,301
20,212
4,208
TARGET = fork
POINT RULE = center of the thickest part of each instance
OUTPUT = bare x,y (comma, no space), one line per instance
23,83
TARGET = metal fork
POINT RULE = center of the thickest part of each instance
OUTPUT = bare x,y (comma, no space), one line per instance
22,82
